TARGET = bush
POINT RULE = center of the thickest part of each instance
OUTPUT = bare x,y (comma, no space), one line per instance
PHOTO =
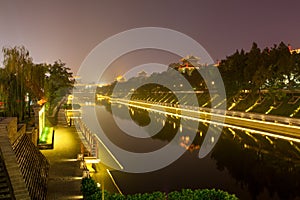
147,196
90,191
88,187
205,194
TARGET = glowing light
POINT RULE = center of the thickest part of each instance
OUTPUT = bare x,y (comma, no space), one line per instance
42,102
295,112
232,106
247,133
250,130
232,131
91,160
200,133
270,109
271,142
213,98
251,107
223,101
120,78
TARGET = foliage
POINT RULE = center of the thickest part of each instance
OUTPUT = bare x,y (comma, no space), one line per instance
14,78
57,84
21,80
272,69
91,192
205,194
88,187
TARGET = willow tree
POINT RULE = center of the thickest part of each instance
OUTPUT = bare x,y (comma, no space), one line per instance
16,61
21,78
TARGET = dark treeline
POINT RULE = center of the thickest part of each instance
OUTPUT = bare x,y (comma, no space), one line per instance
272,69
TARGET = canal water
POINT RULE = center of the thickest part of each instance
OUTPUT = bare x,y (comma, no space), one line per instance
248,165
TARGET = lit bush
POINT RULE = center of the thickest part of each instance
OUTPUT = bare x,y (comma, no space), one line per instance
90,191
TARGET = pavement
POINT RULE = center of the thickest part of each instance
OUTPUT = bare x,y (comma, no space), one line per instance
65,174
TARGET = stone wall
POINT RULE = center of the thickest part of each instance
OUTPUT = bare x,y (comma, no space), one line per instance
10,124
8,128
33,135
33,165
27,167
14,130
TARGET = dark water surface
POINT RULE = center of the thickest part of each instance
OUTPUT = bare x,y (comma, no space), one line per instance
248,165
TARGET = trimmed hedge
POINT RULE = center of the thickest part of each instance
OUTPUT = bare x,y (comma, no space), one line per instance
91,192
205,194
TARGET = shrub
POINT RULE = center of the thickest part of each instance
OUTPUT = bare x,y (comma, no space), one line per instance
205,194
90,191
88,187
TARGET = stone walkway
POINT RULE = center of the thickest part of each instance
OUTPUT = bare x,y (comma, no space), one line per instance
65,175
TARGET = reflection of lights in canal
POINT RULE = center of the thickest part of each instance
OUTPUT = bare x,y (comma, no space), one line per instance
250,130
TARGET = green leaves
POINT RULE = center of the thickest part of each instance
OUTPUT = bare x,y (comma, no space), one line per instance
272,69
203,194
88,187
13,80
91,192
58,82
21,77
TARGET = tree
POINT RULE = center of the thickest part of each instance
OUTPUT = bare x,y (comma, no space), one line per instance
16,61
232,70
263,72
253,63
57,84
21,78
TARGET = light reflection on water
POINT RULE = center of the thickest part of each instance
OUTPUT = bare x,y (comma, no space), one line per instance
248,165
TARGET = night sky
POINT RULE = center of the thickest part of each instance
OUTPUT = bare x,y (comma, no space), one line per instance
69,30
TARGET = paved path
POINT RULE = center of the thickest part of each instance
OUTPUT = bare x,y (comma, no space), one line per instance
65,175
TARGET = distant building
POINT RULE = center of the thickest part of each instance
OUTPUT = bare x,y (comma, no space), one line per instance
142,74
189,64
191,61
295,50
